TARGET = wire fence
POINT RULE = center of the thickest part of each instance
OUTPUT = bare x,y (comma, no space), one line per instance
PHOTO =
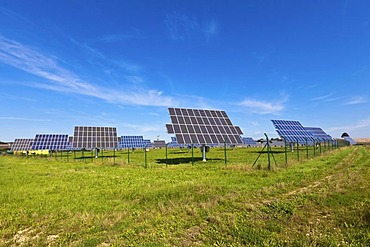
264,155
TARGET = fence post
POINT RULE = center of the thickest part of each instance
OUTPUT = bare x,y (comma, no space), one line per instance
145,159
225,152
192,154
166,154
298,149
128,155
286,154
307,148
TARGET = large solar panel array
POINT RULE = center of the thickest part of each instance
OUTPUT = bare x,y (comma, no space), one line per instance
248,141
195,126
175,144
50,142
21,145
319,134
292,131
350,140
95,137
133,142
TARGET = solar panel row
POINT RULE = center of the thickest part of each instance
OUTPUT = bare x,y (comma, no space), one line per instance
350,140
21,144
319,134
50,142
292,131
249,141
94,137
194,126
133,142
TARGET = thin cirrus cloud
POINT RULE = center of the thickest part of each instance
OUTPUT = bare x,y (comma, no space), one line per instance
263,107
184,27
60,79
362,124
356,101
25,119
327,98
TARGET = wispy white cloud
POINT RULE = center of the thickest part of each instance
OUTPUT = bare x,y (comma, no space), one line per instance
362,124
14,97
144,128
326,98
313,85
323,97
25,119
96,54
134,79
348,100
57,78
133,33
356,101
184,27
264,107
210,28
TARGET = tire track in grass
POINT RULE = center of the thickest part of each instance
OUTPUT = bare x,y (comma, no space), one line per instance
338,170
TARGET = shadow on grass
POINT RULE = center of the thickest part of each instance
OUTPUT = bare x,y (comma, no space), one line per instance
177,161
179,152
265,152
93,157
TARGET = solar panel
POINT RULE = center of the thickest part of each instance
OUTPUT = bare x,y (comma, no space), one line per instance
249,141
95,137
319,134
174,143
133,142
197,126
70,143
21,145
50,142
350,140
292,131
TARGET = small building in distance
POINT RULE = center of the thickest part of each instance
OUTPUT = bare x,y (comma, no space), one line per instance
4,146
159,144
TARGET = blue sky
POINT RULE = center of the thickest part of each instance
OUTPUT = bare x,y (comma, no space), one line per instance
123,63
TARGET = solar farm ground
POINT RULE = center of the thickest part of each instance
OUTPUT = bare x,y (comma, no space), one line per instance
82,201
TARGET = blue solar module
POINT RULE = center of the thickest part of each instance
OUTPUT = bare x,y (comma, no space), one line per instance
70,143
248,141
197,126
133,142
319,134
91,137
174,143
350,140
21,145
292,131
50,142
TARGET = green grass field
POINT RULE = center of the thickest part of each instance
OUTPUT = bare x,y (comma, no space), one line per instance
182,201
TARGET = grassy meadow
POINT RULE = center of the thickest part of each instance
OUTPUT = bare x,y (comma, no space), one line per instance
144,199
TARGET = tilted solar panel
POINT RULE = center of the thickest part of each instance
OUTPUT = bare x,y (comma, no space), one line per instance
319,134
197,126
50,142
249,141
350,140
174,143
133,142
95,137
21,144
292,131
